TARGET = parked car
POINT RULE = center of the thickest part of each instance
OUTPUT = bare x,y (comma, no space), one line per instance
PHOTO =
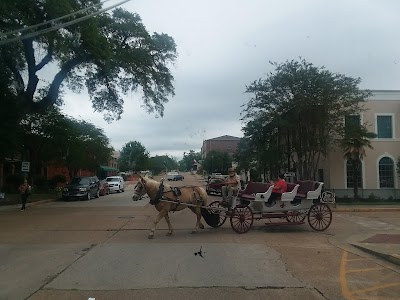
116,184
214,185
104,188
82,187
174,176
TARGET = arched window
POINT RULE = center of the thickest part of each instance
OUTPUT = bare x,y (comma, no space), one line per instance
386,172
350,174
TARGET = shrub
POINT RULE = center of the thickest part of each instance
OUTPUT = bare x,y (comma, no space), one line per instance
40,183
372,197
56,180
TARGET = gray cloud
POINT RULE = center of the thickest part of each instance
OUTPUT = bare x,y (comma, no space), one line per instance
225,45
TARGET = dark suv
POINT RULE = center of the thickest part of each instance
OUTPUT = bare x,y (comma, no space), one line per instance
83,187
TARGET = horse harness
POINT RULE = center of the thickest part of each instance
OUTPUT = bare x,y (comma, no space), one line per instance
175,191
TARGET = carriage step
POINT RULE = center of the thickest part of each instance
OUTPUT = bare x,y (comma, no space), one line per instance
284,223
274,215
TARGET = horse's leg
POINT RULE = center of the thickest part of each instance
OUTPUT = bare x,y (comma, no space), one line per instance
198,214
161,214
201,225
169,224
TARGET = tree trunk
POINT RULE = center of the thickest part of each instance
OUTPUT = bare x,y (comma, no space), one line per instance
355,178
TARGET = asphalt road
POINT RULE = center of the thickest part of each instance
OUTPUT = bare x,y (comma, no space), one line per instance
99,249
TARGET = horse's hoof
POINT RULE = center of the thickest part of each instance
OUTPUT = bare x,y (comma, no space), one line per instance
194,231
169,233
151,236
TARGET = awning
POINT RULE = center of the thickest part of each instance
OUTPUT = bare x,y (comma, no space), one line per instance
108,169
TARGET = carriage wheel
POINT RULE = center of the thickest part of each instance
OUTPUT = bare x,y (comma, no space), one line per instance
319,216
296,217
242,219
222,215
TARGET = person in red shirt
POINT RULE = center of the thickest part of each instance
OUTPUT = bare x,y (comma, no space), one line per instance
280,187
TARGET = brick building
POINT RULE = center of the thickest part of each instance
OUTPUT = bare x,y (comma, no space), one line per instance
225,143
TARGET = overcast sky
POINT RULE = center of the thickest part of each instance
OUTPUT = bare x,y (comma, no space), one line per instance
224,45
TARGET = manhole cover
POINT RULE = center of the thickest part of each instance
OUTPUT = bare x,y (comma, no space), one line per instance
383,238
126,217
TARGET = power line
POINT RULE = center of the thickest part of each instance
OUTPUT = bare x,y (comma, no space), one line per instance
33,34
52,20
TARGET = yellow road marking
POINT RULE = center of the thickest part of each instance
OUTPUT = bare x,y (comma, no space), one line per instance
390,275
364,270
376,287
355,259
378,298
346,293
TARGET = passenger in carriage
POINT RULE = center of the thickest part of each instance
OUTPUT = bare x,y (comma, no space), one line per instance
231,187
280,186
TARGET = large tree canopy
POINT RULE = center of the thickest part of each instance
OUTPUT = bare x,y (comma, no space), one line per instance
110,54
300,108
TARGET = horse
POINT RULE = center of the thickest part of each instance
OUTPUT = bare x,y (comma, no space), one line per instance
166,198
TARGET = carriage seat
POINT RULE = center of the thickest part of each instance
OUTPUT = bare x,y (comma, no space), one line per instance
309,189
251,189
264,196
291,192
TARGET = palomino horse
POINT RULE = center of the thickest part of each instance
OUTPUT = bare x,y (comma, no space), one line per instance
166,198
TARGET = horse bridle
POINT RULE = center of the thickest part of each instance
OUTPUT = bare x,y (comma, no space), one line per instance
160,192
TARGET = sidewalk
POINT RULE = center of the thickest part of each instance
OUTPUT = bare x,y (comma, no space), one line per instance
384,245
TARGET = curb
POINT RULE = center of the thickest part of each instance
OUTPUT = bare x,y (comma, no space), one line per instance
365,209
395,259
41,202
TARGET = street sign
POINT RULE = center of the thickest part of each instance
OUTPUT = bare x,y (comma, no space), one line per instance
290,174
25,166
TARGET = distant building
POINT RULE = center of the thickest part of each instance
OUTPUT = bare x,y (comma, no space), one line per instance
226,143
112,167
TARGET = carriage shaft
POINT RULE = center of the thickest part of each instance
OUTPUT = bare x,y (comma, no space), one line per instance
194,205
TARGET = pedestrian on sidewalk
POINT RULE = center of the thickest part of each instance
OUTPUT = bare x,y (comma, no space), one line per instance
25,191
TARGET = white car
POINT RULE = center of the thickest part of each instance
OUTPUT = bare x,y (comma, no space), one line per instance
116,184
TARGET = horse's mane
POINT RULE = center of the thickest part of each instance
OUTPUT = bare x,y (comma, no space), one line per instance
153,184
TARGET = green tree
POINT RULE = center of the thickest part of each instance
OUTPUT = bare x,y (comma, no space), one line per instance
8,115
134,157
299,108
355,140
52,137
110,54
188,159
163,163
217,162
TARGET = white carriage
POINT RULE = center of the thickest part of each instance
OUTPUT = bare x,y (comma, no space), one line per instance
293,207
